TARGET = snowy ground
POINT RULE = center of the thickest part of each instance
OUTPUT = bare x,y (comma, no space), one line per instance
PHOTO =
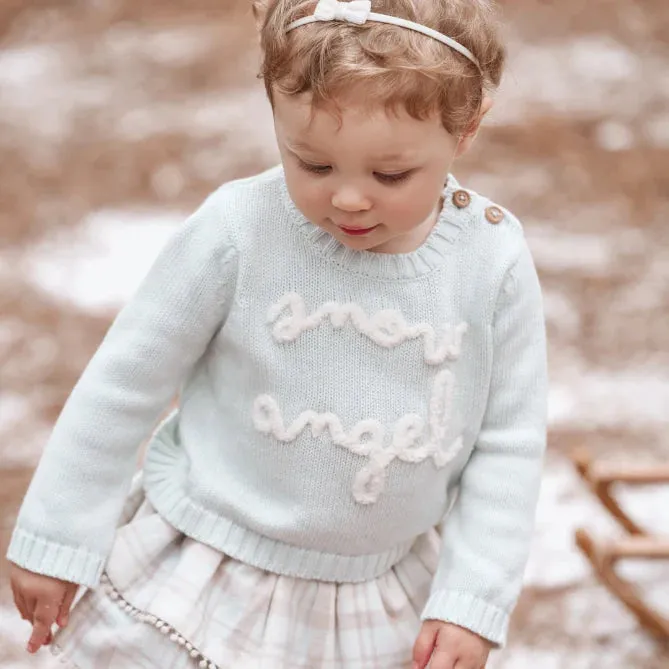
113,128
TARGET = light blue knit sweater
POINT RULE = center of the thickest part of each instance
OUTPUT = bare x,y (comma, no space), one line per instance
332,404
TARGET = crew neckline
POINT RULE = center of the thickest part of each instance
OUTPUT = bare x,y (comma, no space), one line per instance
430,255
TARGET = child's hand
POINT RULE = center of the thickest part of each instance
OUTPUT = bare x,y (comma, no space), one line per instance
449,646
42,601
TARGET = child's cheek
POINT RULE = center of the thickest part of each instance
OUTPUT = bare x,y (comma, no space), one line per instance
318,200
309,196
407,208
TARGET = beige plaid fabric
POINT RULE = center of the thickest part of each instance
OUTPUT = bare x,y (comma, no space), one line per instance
172,603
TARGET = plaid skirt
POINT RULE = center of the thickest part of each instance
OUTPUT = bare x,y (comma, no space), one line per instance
169,602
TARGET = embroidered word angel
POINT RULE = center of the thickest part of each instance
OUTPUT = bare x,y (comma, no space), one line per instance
413,438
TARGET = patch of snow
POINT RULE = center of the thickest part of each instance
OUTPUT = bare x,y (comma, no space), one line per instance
561,313
602,59
40,89
593,399
14,409
47,88
650,291
525,658
564,505
239,114
30,77
168,47
10,328
589,74
592,630
529,181
25,67
168,181
592,613
560,251
657,130
648,504
100,265
587,612
614,136
23,433
14,634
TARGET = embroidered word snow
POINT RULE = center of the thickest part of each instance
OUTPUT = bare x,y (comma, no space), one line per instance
386,328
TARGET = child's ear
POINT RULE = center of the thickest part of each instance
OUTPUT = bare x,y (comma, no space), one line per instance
467,139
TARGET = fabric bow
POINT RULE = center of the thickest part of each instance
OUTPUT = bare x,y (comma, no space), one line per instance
357,11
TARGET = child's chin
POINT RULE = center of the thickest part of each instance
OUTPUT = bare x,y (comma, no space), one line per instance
360,244
363,243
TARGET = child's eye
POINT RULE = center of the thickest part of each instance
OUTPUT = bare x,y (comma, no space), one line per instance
315,169
393,178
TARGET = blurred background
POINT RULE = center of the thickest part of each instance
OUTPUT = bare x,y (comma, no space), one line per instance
118,117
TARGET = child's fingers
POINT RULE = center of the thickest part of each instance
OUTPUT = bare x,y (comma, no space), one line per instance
20,602
45,616
30,603
64,611
461,664
422,650
443,658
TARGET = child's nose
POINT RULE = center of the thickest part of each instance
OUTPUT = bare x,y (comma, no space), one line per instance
351,199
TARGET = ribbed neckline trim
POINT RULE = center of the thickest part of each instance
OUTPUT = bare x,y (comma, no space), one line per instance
428,257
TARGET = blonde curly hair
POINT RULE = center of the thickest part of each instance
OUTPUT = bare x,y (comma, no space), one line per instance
396,67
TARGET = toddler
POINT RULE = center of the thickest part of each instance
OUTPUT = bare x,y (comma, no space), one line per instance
357,345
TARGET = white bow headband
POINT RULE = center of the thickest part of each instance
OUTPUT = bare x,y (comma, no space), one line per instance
359,12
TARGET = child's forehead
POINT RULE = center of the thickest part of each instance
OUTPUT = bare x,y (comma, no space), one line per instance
303,124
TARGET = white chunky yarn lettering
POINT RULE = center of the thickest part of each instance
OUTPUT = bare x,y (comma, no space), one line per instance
410,442
387,328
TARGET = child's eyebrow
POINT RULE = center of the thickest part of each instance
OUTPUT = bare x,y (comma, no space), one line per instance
299,146
394,156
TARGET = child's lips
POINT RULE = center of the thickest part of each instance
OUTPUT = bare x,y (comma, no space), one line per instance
357,232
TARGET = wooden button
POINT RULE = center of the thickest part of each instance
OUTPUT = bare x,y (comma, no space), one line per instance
461,199
494,215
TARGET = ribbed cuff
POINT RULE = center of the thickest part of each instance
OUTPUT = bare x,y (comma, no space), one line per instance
76,565
461,608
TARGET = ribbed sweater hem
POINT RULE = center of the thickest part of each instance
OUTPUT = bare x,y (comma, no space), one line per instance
165,493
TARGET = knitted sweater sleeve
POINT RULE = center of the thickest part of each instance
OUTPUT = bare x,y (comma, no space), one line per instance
487,536
68,518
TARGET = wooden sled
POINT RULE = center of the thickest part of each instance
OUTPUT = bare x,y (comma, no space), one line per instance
638,544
